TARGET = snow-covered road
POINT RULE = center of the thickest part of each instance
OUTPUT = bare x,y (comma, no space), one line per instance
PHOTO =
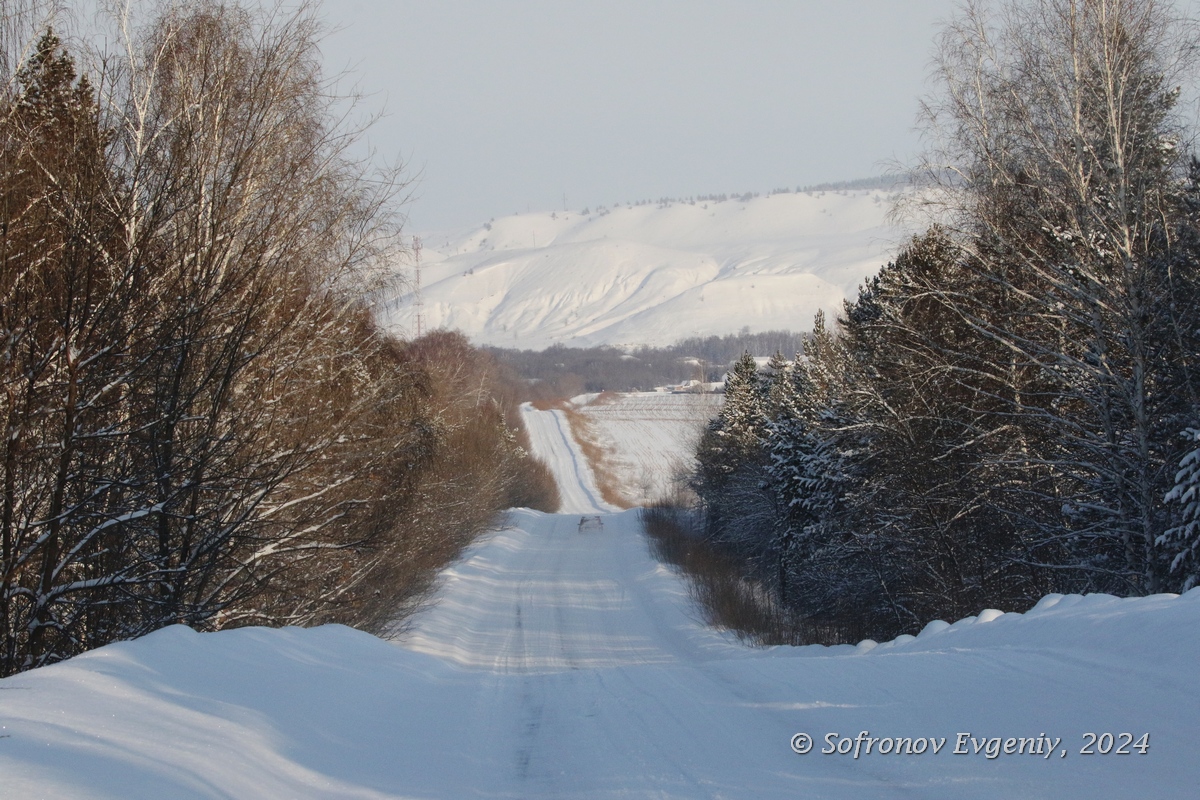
594,679
552,442
560,663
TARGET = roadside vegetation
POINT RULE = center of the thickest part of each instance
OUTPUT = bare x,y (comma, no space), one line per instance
1009,408
202,422
720,587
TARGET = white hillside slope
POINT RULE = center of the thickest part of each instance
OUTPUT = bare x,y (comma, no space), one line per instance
561,663
651,274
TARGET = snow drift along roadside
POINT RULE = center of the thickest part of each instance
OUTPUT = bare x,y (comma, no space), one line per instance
566,664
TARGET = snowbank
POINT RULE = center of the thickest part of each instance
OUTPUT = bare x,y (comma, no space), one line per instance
561,664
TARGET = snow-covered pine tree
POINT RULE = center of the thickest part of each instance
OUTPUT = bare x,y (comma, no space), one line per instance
802,470
743,417
774,383
734,434
823,363
729,479
1182,542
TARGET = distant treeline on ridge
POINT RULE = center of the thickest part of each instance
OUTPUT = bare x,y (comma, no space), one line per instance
567,371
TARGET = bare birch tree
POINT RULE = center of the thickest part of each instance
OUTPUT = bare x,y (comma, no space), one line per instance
186,249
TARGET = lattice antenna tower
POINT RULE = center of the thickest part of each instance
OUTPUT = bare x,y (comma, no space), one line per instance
418,302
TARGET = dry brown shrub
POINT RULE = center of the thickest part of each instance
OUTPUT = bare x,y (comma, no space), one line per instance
598,456
534,486
717,584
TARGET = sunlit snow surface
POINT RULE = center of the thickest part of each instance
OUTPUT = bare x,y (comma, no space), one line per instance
650,274
561,663
650,437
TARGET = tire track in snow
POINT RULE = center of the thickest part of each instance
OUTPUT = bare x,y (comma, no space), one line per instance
551,440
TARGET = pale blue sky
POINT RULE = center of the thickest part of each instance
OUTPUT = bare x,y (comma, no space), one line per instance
509,106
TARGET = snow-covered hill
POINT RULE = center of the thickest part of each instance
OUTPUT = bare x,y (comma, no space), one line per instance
651,274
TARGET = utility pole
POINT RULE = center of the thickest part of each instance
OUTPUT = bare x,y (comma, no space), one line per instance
417,301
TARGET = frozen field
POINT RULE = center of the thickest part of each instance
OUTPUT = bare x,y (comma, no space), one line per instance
651,436
564,662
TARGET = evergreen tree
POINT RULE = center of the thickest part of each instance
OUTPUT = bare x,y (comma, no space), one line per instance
1182,542
804,475
730,479
735,434
743,417
64,313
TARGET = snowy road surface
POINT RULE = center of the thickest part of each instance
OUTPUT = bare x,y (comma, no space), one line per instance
551,436
567,664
